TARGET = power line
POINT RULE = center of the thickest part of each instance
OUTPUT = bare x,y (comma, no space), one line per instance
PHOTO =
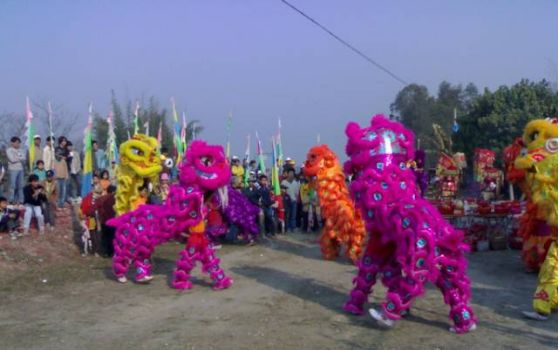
363,55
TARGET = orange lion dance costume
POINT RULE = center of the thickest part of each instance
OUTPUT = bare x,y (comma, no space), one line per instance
343,224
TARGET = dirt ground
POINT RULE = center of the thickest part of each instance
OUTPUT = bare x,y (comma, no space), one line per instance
284,297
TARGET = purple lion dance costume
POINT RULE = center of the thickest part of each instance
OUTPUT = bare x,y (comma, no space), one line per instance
203,172
409,242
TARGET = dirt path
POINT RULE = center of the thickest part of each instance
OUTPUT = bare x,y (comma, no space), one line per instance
284,297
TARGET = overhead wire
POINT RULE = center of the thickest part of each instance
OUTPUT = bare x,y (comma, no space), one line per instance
345,43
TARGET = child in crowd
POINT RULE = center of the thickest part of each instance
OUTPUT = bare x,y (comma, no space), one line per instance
49,206
33,197
40,171
105,182
143,195
280,213
88,215
8,219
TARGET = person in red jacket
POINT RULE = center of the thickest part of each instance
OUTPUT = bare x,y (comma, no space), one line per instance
89,216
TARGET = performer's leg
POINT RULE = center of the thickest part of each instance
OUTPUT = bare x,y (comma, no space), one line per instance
211,265
368,268
455,287
328,241
545,298
185,264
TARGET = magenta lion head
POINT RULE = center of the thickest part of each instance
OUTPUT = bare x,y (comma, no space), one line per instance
204,165
382,142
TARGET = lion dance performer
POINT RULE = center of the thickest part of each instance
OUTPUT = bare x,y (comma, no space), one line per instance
343,224
139,162
409,242
541,168
203,170
535,232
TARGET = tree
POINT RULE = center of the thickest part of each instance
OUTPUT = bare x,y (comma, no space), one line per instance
119,124
63,122
101,130
497,118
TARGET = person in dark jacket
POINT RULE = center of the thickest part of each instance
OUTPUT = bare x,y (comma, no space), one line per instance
33,198
104,206
267,205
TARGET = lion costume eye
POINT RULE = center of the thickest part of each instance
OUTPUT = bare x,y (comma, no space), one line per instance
534,136
207,160
137,151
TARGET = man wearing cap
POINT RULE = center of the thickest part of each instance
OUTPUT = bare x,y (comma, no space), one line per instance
15,169
236,168
38,150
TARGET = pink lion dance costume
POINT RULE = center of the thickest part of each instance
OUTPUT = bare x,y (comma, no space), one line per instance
409,242
203,170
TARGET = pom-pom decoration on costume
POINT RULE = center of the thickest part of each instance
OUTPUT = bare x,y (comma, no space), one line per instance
343,225
409,242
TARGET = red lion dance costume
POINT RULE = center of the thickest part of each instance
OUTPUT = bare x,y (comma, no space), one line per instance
203,170
343,224
409,243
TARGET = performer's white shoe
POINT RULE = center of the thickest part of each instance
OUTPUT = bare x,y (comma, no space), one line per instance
145,279
381,320
535,315
471,328
122,279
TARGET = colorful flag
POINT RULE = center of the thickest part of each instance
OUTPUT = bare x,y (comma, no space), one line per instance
246,161
455,126
279,151
30,132
87,175
228,131
177,144
274,171
260,156
136,118
184,133
159,136
112,149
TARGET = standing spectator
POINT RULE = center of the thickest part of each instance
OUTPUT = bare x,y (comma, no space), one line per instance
104,181
99,159
290,206
252,193
75,168
104,206
113,173
48,154
34,196
40,171
38,149
2,179
304,200
236,168
8,219
15,170
61,155
253,171
49,206
267,205
164,186
87,208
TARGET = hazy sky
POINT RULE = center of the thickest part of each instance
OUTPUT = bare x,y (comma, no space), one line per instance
263,60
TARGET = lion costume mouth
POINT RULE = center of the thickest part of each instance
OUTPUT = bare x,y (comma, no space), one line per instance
206,176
